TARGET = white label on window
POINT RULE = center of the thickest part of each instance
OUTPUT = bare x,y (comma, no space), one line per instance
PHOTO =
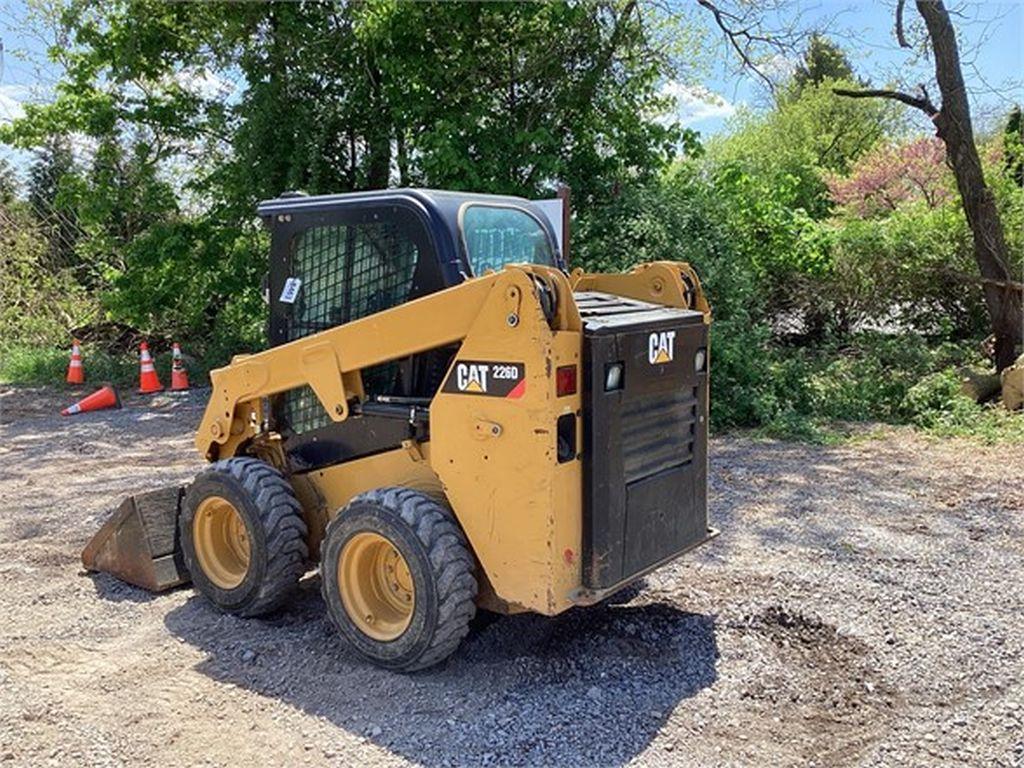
291,290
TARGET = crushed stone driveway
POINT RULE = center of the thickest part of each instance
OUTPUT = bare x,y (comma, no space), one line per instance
864,605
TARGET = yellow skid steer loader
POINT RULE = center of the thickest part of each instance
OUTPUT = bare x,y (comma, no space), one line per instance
445,419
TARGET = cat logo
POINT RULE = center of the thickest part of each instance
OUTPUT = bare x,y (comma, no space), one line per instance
492,378
661,347
472,377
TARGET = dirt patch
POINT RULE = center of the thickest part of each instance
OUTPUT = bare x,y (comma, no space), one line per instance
862,606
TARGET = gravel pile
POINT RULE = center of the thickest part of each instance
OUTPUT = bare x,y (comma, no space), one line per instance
864,605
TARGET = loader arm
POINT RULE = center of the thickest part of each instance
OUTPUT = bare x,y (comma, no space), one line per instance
330,361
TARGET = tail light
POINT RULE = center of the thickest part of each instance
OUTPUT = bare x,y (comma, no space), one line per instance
565,380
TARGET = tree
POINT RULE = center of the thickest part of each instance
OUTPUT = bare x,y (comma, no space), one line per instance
954,127
8,184
891,175
822,61
1013,146
805,139
53,166
331,97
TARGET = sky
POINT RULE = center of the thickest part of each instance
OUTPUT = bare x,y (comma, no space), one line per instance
992,52
991,35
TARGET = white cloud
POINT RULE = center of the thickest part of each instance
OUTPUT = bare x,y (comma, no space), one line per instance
694,103
11,98
779,67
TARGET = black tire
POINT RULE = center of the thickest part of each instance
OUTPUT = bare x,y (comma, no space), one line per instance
276,531
441,567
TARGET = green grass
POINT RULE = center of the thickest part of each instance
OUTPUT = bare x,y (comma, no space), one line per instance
34,365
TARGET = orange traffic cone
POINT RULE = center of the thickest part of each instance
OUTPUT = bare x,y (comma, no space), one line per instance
148,380
76,373
97,401
179,376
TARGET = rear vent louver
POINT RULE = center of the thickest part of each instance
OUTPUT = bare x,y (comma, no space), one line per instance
657,433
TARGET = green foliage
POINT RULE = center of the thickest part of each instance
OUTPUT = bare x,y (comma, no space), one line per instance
502,97
823,61
876,377
820,315
38,304
907,270
805,137
54,163
186,278
1013,147
937,405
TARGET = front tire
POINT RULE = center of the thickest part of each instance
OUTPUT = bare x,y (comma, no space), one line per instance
398,578
243,536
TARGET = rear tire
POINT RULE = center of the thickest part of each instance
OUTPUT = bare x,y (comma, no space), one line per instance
243,536
418,618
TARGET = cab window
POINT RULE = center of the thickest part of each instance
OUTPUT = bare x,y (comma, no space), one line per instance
497,236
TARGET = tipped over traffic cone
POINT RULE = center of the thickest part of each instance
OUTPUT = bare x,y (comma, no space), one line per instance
179,376
148,380
97,401
76,373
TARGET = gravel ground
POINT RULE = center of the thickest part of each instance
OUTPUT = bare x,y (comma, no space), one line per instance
864,605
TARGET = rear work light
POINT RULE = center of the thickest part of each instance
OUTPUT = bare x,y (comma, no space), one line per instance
565,380
613,376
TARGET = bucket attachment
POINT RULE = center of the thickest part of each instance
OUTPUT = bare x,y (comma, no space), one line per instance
139,543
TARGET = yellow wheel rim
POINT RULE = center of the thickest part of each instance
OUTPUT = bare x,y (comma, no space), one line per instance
221,542
376,587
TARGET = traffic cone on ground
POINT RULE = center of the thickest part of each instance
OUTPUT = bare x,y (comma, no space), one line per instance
76,373
148,380
97,401
179,376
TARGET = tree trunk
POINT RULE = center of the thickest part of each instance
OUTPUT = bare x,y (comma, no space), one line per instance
378,132
401,157
978,385
953,125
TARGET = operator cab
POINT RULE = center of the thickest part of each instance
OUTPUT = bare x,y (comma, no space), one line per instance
338,258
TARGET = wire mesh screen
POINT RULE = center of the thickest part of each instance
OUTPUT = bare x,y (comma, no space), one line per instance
347,272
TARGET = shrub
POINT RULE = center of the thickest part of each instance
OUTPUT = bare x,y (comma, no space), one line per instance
937,405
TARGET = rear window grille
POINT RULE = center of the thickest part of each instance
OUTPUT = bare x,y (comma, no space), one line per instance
497,236
347,272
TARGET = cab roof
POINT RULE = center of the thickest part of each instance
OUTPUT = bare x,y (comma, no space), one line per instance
442,206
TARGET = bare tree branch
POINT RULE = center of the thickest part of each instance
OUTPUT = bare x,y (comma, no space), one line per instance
922,102
1011,285
733,36
900,37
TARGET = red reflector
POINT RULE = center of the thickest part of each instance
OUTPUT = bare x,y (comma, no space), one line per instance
565,380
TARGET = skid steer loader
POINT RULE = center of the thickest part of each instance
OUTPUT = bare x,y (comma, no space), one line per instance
445,419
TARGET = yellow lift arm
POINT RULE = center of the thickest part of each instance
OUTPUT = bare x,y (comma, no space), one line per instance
330,361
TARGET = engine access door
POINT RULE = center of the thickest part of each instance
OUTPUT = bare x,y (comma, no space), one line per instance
645,435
